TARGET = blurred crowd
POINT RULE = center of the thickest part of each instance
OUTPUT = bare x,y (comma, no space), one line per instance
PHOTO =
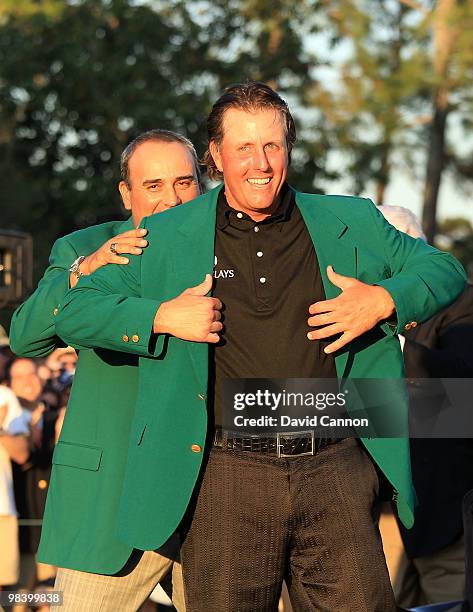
33,399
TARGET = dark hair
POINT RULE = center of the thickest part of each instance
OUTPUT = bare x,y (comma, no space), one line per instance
249,97
10,363
156,136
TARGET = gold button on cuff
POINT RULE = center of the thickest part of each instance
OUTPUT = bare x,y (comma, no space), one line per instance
125,338
55,311
42,484
407,326
195,448
135,338
202,396
414,324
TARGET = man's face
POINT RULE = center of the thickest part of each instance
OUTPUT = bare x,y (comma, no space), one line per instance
162,175
253,158
24,379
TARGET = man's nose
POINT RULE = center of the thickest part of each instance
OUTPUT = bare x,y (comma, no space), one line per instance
171,198
260,159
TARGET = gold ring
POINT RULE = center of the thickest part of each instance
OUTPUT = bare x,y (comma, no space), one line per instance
113,248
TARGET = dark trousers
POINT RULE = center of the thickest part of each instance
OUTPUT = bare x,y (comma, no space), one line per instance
259,520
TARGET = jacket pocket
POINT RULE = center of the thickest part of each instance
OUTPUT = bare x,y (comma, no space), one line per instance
77,455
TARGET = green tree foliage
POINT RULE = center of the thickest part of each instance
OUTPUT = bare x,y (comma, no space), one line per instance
407,67
75,87
450,23
80,78
371,102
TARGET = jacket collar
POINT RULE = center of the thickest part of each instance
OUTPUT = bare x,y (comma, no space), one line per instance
329,233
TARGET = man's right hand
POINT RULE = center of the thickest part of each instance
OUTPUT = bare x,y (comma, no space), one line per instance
131,242
191,315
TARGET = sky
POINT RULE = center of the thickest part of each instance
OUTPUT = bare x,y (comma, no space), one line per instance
404,191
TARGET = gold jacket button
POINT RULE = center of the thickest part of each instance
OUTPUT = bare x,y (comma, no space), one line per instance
195,448
125,338
55,311
135,338
202,396
42,484
407,326
413,324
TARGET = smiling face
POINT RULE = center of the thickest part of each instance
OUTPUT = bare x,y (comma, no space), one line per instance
253,158
162,175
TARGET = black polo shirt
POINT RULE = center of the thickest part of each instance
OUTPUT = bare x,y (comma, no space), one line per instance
266,274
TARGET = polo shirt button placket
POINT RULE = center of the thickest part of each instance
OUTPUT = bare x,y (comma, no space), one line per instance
261,276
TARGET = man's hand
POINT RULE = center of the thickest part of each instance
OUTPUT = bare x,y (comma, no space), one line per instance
356,310
131,242
191,315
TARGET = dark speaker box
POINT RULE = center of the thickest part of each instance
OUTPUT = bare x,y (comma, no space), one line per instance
16,267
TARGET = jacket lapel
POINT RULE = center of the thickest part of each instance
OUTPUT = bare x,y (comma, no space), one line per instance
194,256
193,259
331,239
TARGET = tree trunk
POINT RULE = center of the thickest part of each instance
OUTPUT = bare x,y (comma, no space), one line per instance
380,191
434,171
444,32
384,172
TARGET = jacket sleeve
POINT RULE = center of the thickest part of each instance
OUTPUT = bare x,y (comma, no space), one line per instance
32,331
106,310
447,353
423,279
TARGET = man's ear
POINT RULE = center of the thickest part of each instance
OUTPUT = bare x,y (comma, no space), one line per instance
215,153
125,194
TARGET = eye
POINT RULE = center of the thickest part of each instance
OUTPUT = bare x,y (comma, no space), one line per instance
185,184
272,146
244,148
154,187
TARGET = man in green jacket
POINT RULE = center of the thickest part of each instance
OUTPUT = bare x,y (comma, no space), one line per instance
312,287
159,171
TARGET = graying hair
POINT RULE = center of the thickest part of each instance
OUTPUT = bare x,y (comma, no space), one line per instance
154,136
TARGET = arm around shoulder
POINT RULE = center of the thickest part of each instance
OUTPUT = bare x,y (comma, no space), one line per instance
106,310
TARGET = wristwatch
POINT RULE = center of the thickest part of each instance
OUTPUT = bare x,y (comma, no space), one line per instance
75,267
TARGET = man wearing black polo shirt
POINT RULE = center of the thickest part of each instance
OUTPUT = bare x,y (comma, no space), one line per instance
260,518
307,284
266,274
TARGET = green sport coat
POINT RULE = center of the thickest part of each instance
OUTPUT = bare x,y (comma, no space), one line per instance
115,308
79,525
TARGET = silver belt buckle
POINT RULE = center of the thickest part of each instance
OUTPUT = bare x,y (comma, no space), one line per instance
295,434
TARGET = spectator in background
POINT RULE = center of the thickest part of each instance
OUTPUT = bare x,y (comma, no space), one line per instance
62,362
432,568
23,379
13,446
31,479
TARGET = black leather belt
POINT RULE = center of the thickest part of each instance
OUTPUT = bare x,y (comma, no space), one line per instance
284,444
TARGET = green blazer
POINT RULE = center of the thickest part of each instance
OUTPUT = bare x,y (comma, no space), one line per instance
115,308
79,526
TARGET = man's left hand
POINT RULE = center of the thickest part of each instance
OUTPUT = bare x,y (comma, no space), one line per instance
355,311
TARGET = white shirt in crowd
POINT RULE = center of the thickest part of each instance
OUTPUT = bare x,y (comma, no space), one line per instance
14,424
